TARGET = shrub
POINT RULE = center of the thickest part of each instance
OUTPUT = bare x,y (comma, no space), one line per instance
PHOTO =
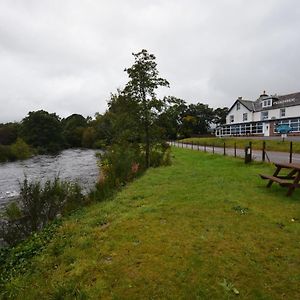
6,154
37,206
160,155
121,163
20,149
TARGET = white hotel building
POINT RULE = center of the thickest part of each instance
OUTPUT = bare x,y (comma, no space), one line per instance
261,117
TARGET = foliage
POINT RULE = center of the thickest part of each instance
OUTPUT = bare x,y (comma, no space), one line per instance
88,137
73,129
43,131
8,133
36,207
6,154
220,115
121,163
172,234
21,150
15,260
143,82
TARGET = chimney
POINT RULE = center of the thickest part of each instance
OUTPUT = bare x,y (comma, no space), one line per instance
240,98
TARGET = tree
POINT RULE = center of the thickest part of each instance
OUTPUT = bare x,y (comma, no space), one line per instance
220,115
171,119
42,130
8,133
144,81
202,118
73,128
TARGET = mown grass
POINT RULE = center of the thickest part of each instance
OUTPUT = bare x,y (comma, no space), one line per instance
204,228
271,145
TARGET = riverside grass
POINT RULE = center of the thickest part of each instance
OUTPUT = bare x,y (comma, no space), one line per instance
271,145
204,228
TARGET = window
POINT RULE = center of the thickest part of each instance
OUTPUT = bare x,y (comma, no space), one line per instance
231,119
264,115
238,106
282,112
267,103
245,117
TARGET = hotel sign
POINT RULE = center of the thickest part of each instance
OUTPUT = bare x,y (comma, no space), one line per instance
285,101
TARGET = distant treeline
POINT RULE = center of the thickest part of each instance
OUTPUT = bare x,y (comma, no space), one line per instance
42,132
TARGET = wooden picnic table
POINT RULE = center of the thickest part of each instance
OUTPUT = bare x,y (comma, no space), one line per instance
291,180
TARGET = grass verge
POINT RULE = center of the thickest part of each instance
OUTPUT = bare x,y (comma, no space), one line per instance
204,228
271,145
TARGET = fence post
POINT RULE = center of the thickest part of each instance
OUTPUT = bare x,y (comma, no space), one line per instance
224,149
264,151
192,145
181,144
213,148
250,145
198,146
234,149
204,147
291,152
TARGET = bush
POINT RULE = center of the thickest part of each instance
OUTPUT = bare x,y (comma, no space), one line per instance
160,155
36,207
118,165
121,163
21,150
6,154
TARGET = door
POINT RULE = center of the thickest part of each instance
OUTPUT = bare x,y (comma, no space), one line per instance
266,129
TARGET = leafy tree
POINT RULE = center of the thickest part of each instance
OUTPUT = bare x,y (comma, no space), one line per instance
220,115
171,119
143,82
202,118
8,133
73,128
42,130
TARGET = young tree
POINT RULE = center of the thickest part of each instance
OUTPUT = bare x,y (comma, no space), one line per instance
144,81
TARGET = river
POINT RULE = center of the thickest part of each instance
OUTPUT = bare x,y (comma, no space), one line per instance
75,165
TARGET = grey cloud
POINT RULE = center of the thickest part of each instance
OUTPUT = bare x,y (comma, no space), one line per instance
68,56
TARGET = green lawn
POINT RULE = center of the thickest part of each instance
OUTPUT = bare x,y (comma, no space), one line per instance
271,145
204,228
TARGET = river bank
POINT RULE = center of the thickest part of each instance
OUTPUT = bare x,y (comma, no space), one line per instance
183,231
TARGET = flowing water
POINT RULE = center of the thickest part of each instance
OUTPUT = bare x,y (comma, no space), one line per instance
75,165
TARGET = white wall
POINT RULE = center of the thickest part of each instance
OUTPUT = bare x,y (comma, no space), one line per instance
238,115
290,112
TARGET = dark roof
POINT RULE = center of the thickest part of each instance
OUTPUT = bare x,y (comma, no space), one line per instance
249,104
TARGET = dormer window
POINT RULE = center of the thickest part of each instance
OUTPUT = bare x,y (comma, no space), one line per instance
238,106
267,103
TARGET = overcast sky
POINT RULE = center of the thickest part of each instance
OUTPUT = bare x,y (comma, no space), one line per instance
67,56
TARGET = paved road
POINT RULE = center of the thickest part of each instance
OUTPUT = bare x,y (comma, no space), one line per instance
272,156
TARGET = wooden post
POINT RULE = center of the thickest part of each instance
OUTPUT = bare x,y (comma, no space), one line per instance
213,148
234,149
291,152
192,145
224,149
198,146
181,144
264,151
250,145
204,147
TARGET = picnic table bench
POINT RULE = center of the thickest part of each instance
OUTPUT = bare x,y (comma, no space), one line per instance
291,180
